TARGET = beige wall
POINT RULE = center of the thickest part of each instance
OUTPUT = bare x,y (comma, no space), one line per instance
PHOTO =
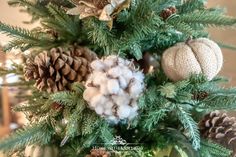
13,17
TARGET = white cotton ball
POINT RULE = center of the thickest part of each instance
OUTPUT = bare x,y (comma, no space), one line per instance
99,109
122,82
109,105
113,86
123,111
138,76
104,89
99,78
108,112
126,73
113,119
98,65
98,100
111,60
135,88
121,99
114,72
89,93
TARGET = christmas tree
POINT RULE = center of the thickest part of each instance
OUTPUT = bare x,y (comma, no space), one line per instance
121,78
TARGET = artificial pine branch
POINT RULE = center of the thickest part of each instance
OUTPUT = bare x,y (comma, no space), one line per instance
210,149
190,126
38,133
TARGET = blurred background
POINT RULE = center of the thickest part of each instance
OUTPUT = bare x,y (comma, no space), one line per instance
8,96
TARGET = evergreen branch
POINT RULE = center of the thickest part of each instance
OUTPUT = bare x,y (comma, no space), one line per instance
37,133
190,6
16,32
68,99
190,126
154,118
215,101
206,18
26,107
213,150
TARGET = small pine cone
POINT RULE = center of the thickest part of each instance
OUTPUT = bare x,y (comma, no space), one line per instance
165,14
113,88
57,107
220,128
101,152
200,95
56,70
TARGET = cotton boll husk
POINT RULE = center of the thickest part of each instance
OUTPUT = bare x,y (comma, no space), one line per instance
122,82
89,93
135,88
123,111
114,72
113,86
98,65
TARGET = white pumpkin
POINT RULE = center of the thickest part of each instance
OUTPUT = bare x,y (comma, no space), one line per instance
193,57
41,151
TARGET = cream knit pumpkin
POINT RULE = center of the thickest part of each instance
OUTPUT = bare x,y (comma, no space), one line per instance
193,57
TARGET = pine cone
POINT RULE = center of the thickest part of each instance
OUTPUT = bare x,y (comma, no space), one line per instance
99,153
200,95
168,12
56,70
220,128
113,88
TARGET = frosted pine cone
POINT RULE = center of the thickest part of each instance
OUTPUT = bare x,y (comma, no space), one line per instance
220,128
56,70
113,88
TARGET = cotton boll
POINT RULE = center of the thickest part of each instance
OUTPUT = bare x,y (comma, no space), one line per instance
121,99
113,119
123,111
108,112
114,72
99,78
89,93
138,76
98,100
135,88
98,65
103,89
99,109
111,60
127,74
109,105
113,86
122,82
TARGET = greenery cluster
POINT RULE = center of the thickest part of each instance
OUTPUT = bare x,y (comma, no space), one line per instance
168,112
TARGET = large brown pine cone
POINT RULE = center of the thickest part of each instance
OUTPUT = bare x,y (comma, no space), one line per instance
220,128
98,153
56,70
